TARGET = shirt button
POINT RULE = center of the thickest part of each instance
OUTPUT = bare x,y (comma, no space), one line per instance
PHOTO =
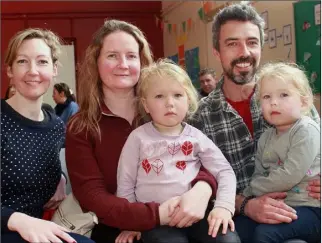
253,158
247,139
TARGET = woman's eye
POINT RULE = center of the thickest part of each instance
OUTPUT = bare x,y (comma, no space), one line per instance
159,96
21,61
43,62
178,95
133,56
111,56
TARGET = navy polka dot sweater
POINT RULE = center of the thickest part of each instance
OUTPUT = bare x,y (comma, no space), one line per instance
30,165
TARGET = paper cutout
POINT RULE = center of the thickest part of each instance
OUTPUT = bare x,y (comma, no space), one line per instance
317,14
201,13
287,36
307,56
306,25
314,76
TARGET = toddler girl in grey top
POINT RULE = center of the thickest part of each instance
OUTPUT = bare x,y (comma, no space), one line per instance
288,153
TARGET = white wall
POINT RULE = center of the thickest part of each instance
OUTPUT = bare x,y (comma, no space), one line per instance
280,13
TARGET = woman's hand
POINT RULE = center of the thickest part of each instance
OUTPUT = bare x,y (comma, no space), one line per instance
192,206
38,230
314,189
59,195
167,209
128,236
220,216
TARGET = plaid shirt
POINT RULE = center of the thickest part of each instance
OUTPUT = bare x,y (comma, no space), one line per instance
226,128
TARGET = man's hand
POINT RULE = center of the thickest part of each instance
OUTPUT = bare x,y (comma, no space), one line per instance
59,195
314,189
270,209
192,206
128,236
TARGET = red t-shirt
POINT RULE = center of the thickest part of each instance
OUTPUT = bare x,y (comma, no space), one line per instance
243,109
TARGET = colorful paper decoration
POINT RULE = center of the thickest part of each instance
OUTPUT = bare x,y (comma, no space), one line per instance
189,24
169,28
207,7
184,26
201,13
174,26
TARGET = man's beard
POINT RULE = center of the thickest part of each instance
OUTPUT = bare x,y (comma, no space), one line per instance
242,77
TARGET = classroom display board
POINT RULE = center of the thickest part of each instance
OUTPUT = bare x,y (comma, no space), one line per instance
307,25
191,64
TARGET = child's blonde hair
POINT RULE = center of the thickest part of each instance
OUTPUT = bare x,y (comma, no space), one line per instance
287,72
165,68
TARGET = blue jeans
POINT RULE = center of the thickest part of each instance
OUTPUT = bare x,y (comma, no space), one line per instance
198,232
306,227
14,237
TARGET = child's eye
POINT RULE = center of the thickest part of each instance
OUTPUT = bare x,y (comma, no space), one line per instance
159,96
265,97
284,95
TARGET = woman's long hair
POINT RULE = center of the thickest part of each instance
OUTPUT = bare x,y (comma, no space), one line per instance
90,94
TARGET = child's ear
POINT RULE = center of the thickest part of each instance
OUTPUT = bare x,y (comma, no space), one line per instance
143,101
305,104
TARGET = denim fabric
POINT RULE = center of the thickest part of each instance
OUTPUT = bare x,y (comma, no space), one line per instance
14,237
305,228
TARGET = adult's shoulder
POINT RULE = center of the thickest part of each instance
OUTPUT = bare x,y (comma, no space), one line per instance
74,104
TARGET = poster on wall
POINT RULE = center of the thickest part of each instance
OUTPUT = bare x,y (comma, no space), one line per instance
317,14
192,65
174,58
272,38
287,35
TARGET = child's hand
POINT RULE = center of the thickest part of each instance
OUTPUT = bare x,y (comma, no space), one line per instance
219,216
128,236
